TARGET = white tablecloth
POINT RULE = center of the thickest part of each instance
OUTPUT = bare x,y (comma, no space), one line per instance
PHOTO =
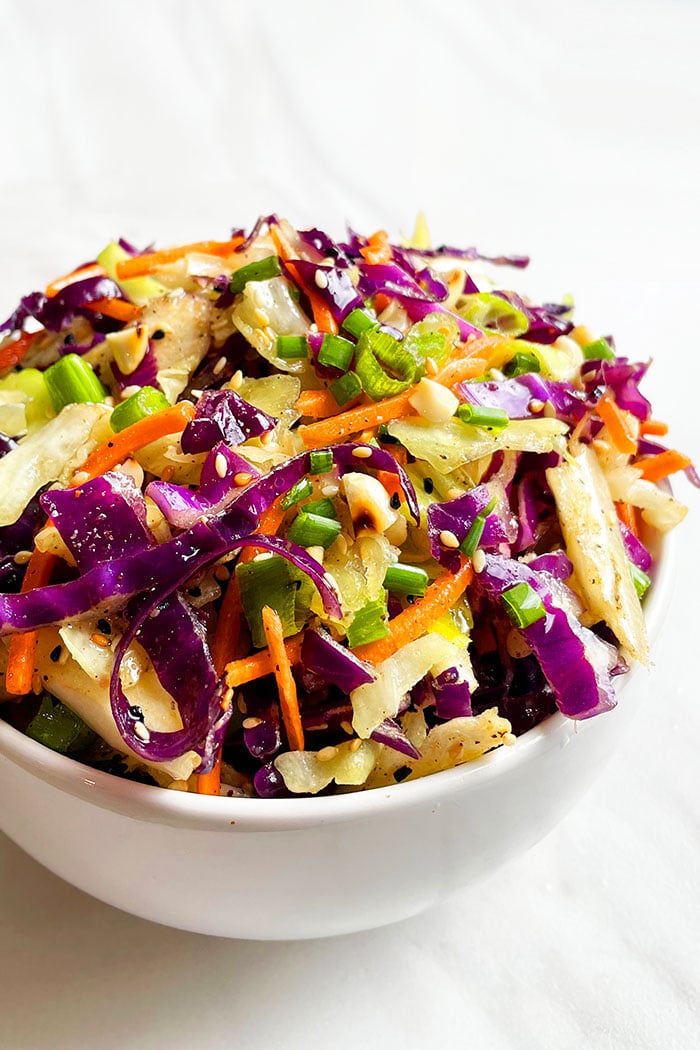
567,131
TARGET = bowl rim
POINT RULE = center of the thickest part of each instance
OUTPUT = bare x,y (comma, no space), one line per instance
154,804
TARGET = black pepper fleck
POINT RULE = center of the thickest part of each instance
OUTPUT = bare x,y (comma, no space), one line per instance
395,501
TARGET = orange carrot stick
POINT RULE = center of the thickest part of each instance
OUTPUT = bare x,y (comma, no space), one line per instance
270,521
627,514
617,426
119,309
377,251
260,664
140,265
12,353
170,421
654,468
317,404
286,686
81,274
416,619
653,427
20,662
210,783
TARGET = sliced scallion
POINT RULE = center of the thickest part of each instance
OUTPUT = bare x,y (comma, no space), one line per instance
320,461
369,623
292,347
641,581
262,270
493,314
313,530
384,367
359,321
143,403
323,508
479,416
274,582
346,389
521,363
71,380
406,579
336,352
598,350
523,605
56,726
297,493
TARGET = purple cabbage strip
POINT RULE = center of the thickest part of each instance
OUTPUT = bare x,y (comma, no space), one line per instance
565,650
19,536
458,516
222,415
391,280
265,738
336,289
623,378
390,733
452,695
635,549
58,312
445,250
333,662
556,563
515,395
182,507
546,322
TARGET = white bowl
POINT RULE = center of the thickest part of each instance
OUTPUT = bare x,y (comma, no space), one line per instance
278,869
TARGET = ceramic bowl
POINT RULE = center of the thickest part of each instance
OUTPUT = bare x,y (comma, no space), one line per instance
308,867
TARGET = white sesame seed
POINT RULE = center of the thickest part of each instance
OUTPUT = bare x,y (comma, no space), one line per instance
317,553
326,754
142,732
220,464
222,573
321,279
81,477
355,744
448,539
261,317
267,438
236,380
242,706
36,683
536,405
251,723
219,366
479,560
128,391
346,727
510,738
196,393
22,557
431,366
549,411
241,478
453,493
497,375
330,491
362,452
342,544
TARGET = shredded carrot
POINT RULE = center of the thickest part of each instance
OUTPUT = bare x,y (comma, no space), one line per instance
654,427
322,315
654,468
119,309
140,265
627,514
210,783
381,302
170,421
260,664
617,426
286,686
390,482
12,353
317,404
377,251
20,661
269,523
415,620
81,274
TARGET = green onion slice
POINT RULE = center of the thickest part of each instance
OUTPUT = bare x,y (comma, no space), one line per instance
641,581
336,352
598,350
384,367
143,403
274,582
523,605
71,380
478,416
406,579
359,321
369,623
493,314
262,270
297,493
313,530
520,363
320,462
292,347
346,389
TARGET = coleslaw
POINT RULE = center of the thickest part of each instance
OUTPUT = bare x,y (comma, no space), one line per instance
283,515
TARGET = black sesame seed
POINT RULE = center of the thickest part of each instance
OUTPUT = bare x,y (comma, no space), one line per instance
395,501
55,654
136,713
428,485
69,339
402,773
104,626
158,334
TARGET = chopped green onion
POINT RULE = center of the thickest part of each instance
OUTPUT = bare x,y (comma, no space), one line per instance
598,350
313,530
274,582
143,403
471,540
478,416
297,493
336,352
369,623
641,581
406,579
384,367
292,347
56,726
346,388
262,270
521,363
359,321
323,508
493,314
71,380
523,605
320,462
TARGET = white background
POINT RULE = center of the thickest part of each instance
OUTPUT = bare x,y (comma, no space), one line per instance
569,131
